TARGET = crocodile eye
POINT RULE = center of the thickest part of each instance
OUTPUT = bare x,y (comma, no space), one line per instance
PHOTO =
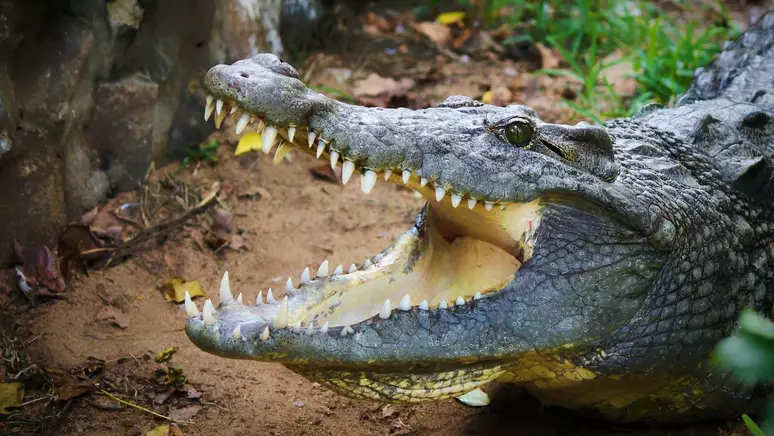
518,133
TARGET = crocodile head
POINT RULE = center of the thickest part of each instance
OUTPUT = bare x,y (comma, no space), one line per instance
531,249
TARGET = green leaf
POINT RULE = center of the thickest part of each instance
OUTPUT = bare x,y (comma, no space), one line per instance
752,426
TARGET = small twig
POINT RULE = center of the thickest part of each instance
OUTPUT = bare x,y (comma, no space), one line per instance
158,415
16,377
35,400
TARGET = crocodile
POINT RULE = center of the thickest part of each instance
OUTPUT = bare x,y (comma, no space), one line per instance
595,266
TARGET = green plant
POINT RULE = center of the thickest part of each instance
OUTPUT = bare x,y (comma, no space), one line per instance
205,152
664,52
749,354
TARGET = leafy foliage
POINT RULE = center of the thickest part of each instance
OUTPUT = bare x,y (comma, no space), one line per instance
664,51
749,354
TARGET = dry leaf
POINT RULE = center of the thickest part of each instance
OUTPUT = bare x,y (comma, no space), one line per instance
375,85
192,392
474,398
185,413
175,288
451,17
436,32
165,355
67,385
620,74
39,274
248,141
548,58
11,395
487,97
161,397
115,315
166,430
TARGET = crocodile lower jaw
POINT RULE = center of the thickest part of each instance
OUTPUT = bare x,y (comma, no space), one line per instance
459,251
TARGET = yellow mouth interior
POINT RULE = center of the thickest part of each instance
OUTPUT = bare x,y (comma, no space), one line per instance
460,257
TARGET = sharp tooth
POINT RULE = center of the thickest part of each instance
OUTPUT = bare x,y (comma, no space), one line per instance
322,271
384,313
304,276
233,109
291,133
387,174
209,313
264,334
239,298
208,108
439,193
190,308
405,303
334,158
488,205
310,328
472,203
311,137
320,147
349,329
219,117
237,333
343,332
477,296
269,135
259,298
422,181
289,284
348,167
281,321
261,126
443,304
367,181
406,175
269,298
225,290
218,106
297,327
367,264
460,301
424,305
455,200
282,150
339,269
352,268
324,328
242,123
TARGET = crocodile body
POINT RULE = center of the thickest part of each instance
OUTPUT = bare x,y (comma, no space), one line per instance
596,266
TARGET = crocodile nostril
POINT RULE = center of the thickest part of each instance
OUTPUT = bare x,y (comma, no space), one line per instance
245,75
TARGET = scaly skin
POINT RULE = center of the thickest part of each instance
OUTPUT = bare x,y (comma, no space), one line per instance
620,257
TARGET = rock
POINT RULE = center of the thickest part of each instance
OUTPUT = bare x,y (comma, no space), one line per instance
124,13
245,28
121,130
108,86
33,201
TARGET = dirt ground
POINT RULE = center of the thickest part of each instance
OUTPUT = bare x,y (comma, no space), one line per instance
294,221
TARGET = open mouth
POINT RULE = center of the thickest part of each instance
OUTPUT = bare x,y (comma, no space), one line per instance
460,249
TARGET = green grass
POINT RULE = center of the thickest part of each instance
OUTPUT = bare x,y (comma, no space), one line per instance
664,51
